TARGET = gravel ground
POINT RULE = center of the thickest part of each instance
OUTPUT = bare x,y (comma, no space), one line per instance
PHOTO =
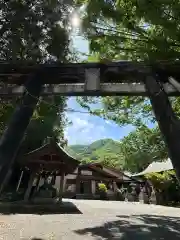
98,220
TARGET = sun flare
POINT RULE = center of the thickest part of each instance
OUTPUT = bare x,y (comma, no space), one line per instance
75,20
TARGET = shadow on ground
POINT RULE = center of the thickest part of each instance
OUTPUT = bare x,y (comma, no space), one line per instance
34,239
136,227
37,239
40,209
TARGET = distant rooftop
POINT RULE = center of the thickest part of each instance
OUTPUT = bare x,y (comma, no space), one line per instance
156,167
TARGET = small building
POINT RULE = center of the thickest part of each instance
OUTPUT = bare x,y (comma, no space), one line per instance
49,160
83,183
71,178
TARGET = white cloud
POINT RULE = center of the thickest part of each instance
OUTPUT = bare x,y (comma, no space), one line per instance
108,122
83,131
81,123
86,128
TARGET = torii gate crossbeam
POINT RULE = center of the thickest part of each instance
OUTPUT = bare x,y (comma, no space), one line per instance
156,81
92,79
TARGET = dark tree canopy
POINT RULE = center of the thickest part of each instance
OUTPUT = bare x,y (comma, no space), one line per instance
36,32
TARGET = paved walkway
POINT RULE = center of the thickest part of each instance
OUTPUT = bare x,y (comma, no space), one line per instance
98,220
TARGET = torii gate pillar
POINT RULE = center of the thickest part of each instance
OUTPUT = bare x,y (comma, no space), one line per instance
13,135
166,118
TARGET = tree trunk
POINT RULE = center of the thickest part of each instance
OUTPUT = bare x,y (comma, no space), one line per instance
13,135
167,120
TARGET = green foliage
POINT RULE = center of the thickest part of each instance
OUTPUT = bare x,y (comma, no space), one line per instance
78,148
134,29
161,181
35,32
131,30
105,151
133,153
141,147
166,187
49,123
102,187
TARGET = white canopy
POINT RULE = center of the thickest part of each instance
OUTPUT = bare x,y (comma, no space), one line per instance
157,167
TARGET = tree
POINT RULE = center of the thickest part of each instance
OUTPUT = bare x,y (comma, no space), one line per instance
49,122
32,32
111,160
134,30
166,187
141,147
35,32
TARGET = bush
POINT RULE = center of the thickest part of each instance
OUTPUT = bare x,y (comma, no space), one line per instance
103,191
166,187
102,187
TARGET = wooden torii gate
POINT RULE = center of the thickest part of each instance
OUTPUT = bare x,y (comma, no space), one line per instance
157,81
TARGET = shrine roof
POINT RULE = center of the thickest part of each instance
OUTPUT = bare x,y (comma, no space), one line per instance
108,171
39,156
156,167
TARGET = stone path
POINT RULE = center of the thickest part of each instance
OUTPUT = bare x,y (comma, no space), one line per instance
100,220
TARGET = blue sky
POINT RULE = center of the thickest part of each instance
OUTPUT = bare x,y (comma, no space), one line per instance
85,128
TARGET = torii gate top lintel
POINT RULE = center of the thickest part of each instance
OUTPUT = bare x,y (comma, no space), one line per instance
107,78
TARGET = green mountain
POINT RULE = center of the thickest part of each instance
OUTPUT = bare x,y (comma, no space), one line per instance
106,151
